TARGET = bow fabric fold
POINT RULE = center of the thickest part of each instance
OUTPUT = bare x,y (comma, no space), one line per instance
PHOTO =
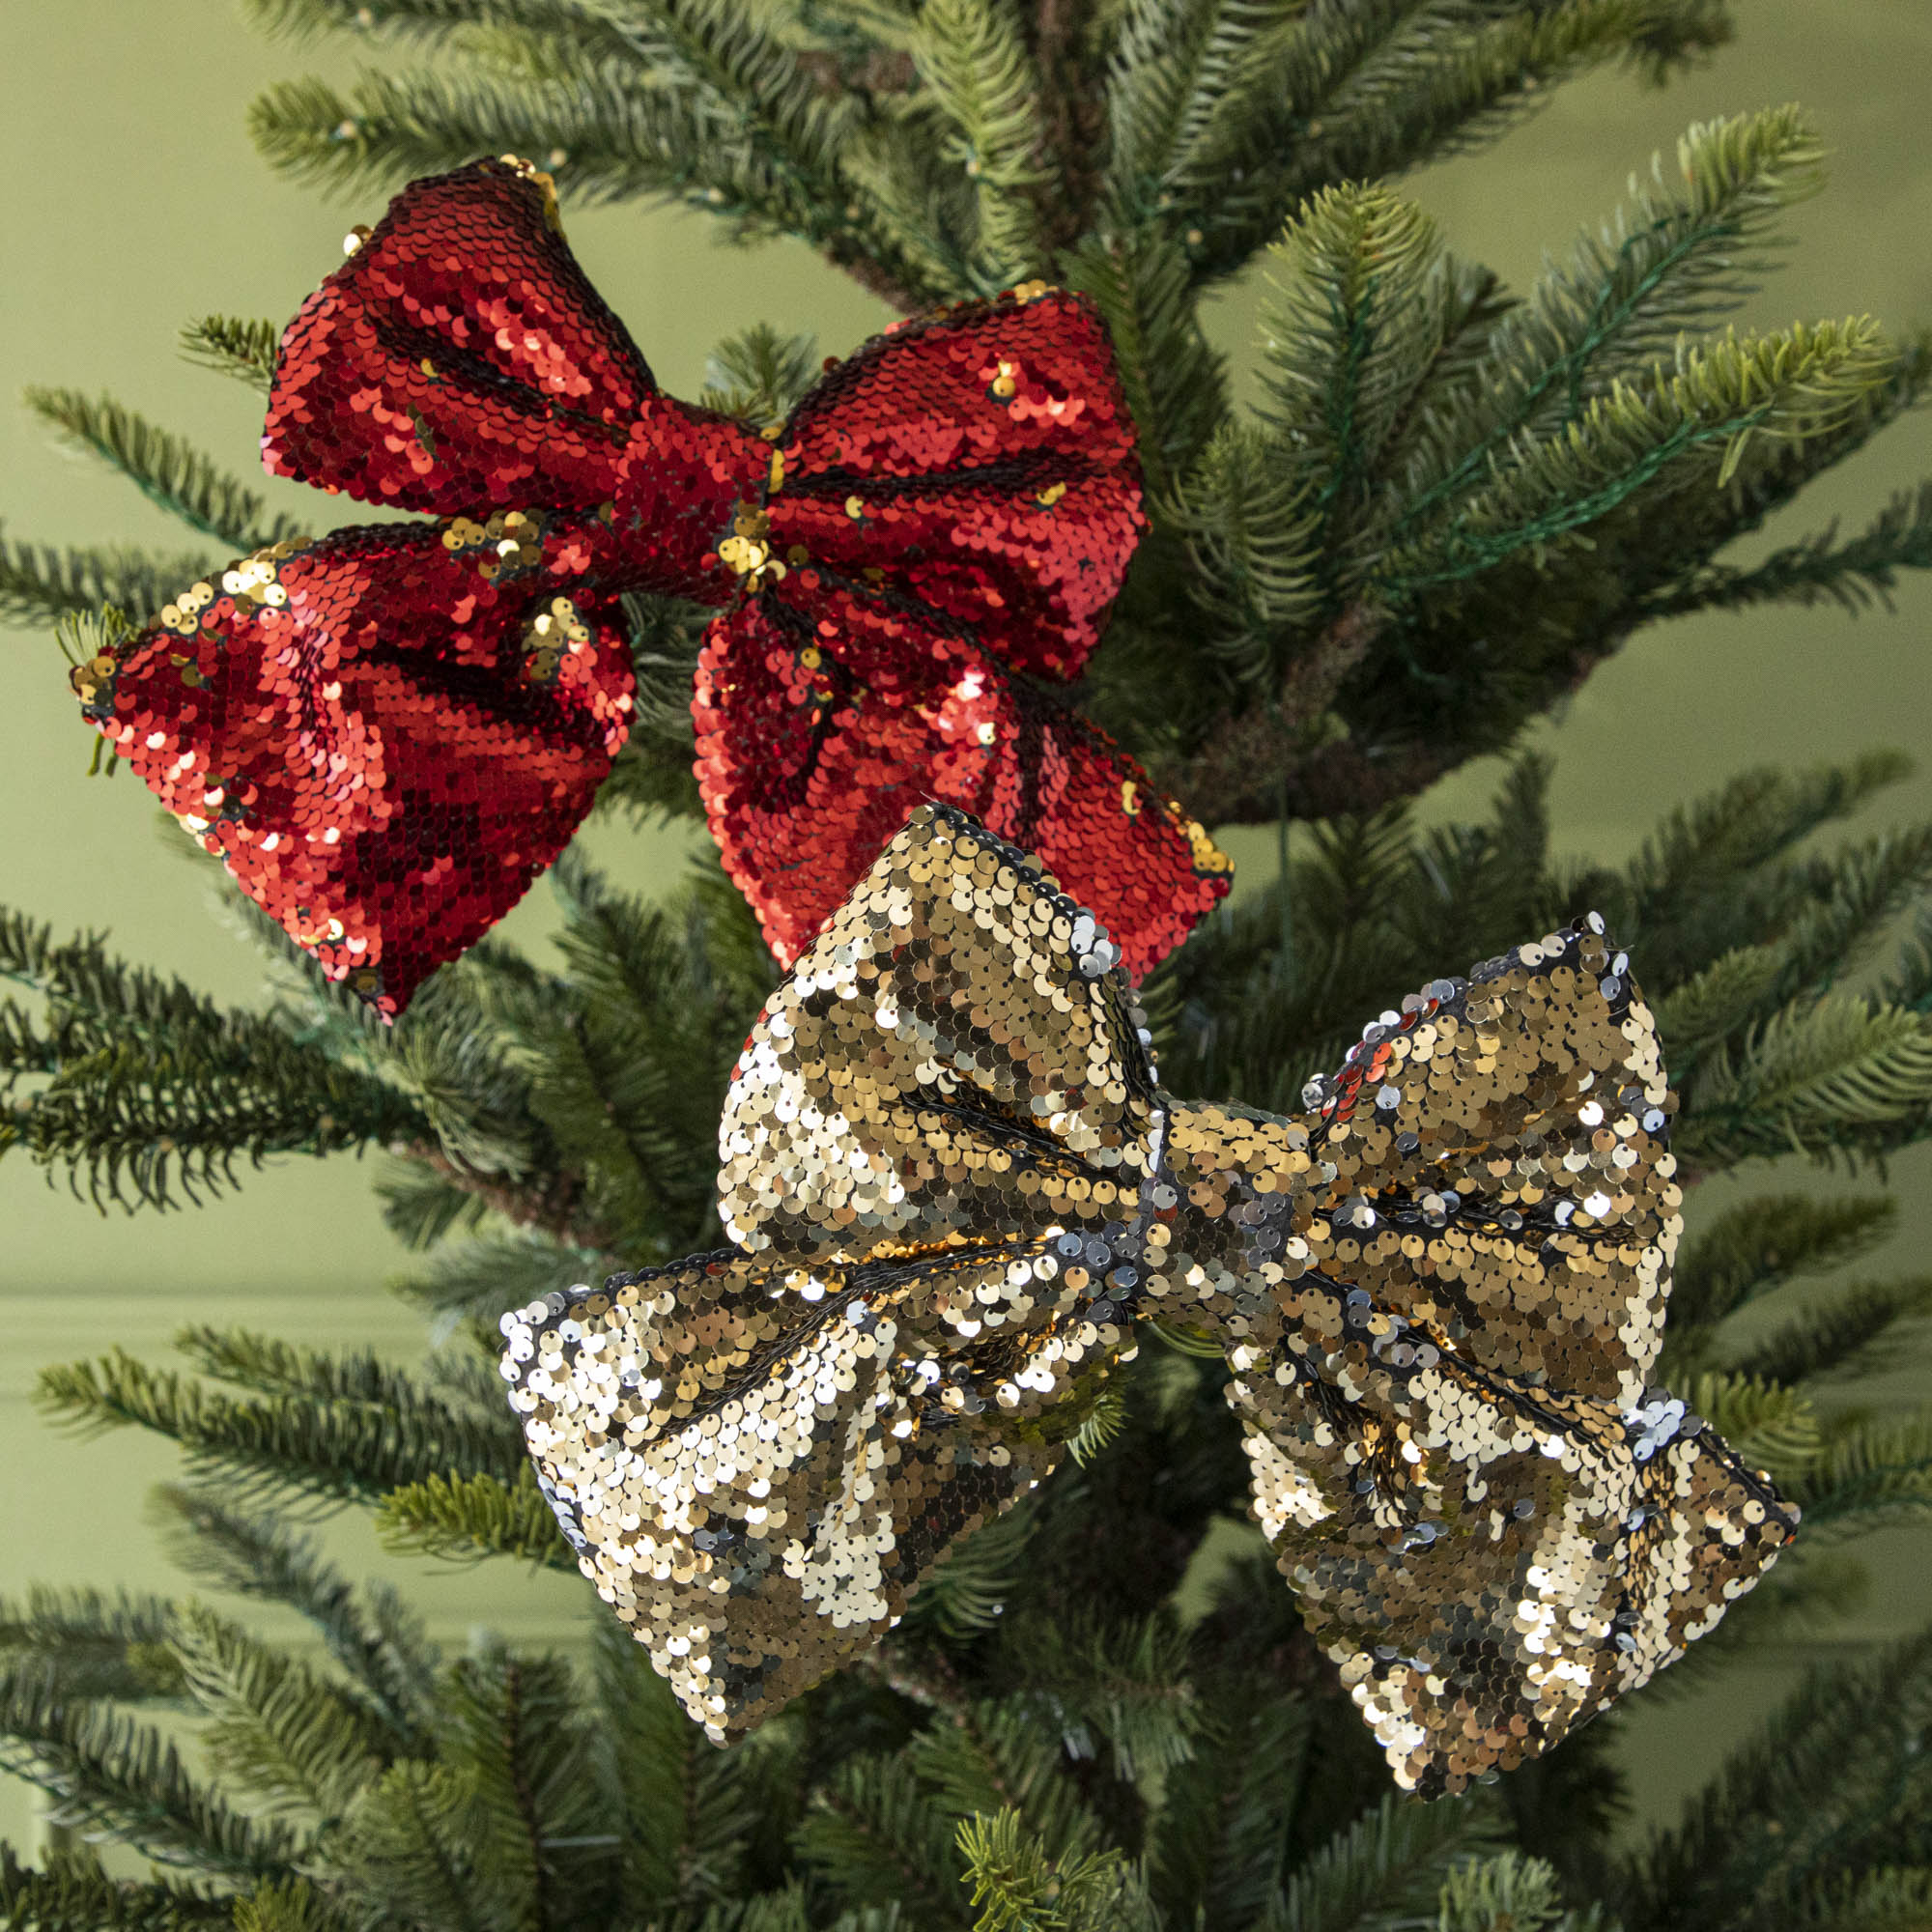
953,1183
388,732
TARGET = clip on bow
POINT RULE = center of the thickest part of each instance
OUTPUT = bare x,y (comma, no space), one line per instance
954,1184
386,733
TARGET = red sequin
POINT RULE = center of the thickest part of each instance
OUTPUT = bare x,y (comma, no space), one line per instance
388,732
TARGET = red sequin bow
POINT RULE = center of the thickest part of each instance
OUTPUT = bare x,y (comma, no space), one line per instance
387,732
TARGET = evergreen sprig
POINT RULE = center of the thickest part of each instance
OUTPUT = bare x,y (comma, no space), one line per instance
147,1092
72,1892
243,347
166,470
288,1448
118,1777
40,584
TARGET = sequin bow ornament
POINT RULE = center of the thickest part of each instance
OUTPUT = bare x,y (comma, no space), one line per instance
386,733
955,1184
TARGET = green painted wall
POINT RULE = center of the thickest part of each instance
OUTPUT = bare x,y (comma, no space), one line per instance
137,203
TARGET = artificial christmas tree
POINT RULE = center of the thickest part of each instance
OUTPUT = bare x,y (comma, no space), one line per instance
1447,507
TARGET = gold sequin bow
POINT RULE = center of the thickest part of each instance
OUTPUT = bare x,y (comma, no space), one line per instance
953,1183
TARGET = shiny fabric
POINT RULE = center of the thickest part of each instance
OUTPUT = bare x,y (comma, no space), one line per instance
953,1183
388,733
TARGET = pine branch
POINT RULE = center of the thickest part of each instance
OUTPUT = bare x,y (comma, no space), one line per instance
1899,1900
878,1836
93,1646
1845,1335
290,1906
1872,1473
1758,1245
40,584
1827,1784
116,1778
244,348
377,1642
1682,431
1389,1866
590,32
1662,266
1176,384
480,1279
684,1811
280,1732
156,1090
464,1517
1220,1837
515,1735
1771,1428
1122,1685
1019,1888
759,377
1166,68
167,470
737,133
73,1893
1681,893
1252,536
981,74
1836,1075
630,1083
359,1380
288,1449
1357,92
1505,1894
1361,302
408,1848
1853,575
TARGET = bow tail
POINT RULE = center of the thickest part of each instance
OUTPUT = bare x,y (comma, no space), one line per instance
1488,1563
759,1466
384,734
807,772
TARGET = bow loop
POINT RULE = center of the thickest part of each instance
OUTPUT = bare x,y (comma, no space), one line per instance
953,1046
459,358
981,462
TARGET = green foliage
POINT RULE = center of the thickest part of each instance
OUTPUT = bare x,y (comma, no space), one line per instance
472,1517
40,584
1853,575
973,60
1770,1060
760,375
92,1645
146,1092
1019,1888
1385,1870
1824,1799
167,470
292,1444
373,1638
117,1777
244,348
73,1893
